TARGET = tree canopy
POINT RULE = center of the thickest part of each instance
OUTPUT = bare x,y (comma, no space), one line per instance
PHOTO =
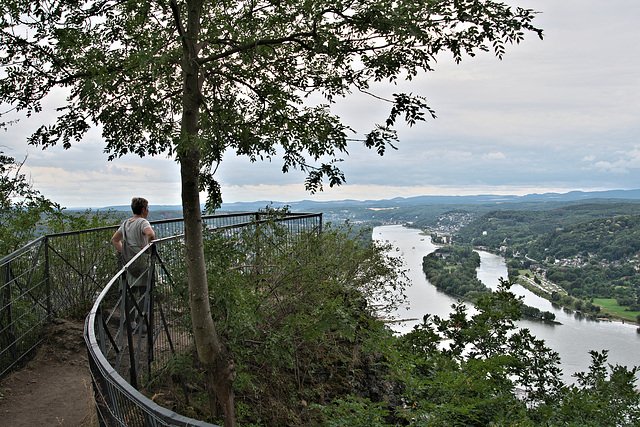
122,65
22,207
198,79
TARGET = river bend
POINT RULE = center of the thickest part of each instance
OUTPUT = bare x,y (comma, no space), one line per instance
572,338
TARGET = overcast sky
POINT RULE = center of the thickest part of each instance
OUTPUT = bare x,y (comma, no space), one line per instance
555,115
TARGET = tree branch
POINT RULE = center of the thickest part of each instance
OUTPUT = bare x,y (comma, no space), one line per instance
175,10
266,42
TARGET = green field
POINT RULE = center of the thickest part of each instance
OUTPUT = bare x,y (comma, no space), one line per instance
611,305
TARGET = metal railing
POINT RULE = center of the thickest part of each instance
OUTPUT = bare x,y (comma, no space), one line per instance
60,273
63,273
137,324
57,274
54,275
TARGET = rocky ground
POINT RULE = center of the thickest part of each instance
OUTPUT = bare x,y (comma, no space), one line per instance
54,388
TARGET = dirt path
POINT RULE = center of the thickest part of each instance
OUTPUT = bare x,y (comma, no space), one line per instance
54,389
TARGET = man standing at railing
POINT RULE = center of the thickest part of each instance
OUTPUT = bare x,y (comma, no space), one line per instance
133,235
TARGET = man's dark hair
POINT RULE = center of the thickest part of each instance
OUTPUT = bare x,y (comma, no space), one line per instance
138,204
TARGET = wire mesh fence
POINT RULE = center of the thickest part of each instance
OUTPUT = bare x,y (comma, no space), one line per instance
138,324
61,274
24,303
55,275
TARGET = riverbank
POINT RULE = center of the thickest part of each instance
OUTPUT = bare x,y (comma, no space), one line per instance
545,289
572,339
543,293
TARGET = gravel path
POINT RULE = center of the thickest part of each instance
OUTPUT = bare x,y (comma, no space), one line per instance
54,389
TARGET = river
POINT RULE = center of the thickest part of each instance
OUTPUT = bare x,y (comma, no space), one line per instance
572,338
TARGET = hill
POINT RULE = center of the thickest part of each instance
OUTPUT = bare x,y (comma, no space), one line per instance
592,251
518,228
419,210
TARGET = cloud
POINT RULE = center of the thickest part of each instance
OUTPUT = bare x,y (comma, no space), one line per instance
494,156
553,115
623,164
110,185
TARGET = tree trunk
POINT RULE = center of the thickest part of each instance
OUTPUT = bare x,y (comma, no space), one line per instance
212,352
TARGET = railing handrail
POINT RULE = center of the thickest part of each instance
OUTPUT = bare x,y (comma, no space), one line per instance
154,222
107,370
32,291
22,250
57,272
108,376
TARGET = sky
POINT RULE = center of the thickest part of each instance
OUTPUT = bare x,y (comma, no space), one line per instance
553,115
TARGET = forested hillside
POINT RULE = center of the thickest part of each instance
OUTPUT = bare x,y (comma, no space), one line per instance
597,259
592,251
612,239
519,228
